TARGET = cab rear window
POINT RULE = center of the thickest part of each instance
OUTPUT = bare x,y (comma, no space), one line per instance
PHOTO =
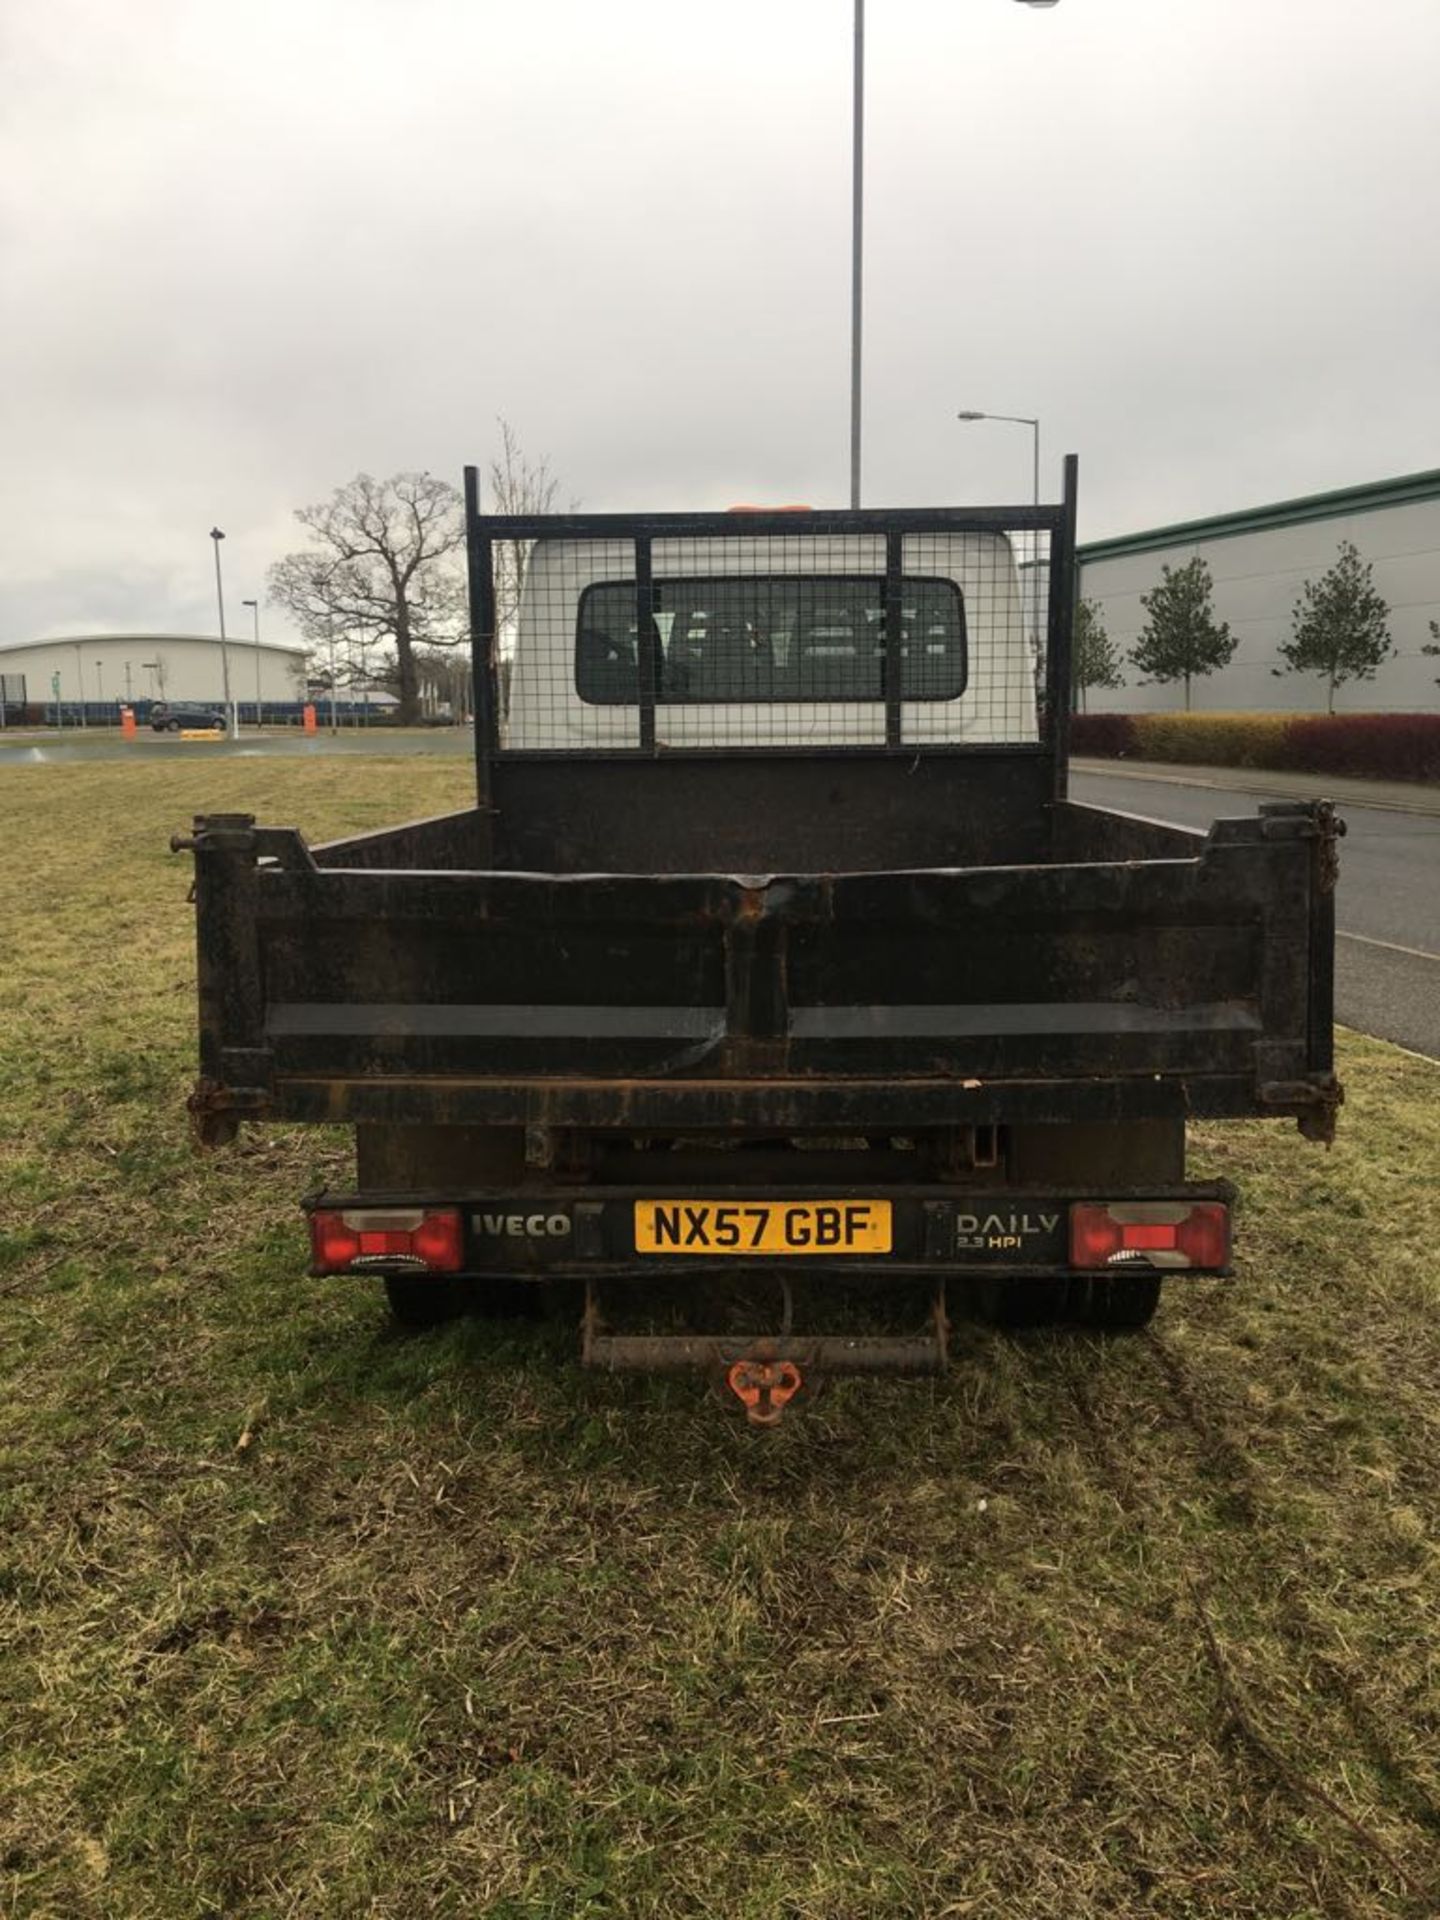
777,637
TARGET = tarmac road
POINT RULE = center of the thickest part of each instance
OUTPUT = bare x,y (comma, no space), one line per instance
1387,907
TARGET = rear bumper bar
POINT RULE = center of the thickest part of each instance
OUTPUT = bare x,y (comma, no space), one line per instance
813,1354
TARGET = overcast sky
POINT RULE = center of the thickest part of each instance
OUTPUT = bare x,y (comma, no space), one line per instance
246,251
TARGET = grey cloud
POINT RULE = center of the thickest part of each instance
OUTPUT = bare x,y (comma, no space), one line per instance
250,253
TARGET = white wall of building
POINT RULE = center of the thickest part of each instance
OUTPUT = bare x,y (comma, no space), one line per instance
1258,574
176,667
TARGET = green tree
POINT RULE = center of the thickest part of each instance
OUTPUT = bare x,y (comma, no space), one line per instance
1434,648
1182,639
1096,662
1340,624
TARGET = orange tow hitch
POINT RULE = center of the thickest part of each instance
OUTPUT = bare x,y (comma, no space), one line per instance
764,1388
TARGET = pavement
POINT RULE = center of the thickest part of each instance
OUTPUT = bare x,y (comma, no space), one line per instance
1398,796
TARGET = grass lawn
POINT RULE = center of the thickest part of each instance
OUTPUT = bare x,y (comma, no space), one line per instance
298,1617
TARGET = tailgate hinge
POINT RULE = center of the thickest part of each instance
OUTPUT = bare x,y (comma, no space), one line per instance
1308,820
285,847
1315,1101
216,1111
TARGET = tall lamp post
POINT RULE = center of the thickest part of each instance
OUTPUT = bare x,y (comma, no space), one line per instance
234,720
857,247
334,721
254,606
857,235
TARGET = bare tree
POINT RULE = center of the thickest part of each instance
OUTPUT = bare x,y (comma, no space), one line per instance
331,664
380,570
517,485
445,681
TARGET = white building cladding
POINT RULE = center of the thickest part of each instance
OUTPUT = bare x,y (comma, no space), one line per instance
1259,560
110,667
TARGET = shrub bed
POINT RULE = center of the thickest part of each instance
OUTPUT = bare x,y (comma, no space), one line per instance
1212,739
1382,746
1379,746
1111,735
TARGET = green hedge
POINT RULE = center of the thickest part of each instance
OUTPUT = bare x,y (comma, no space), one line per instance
1379,746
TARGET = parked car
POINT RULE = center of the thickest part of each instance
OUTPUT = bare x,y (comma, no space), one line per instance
773,955
167,717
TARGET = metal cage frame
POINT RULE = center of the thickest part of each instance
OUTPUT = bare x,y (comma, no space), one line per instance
484,531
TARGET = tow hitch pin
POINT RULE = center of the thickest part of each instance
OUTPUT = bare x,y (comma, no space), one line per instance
764,1388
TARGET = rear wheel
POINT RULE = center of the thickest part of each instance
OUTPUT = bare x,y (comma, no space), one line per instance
429,1300
402,1159
1088,1156
1016,1304
420,1300
1116,1302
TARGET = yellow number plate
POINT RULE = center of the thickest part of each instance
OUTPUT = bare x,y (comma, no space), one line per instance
762,1227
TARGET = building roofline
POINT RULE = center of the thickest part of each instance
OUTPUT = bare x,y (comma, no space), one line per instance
149,640
1368,498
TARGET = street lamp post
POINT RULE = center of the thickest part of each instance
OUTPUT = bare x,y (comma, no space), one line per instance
100,687
217,536
80,678
857,237
1018,419
254,606
1025,420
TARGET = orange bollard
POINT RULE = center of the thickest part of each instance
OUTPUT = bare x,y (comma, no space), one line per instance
309,717
127,723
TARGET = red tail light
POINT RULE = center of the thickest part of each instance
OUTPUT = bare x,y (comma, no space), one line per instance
415,1238
1158,1233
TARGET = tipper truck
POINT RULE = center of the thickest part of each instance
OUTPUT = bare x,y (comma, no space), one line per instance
774,998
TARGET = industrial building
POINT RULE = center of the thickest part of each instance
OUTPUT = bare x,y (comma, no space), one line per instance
101,670
1260,558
